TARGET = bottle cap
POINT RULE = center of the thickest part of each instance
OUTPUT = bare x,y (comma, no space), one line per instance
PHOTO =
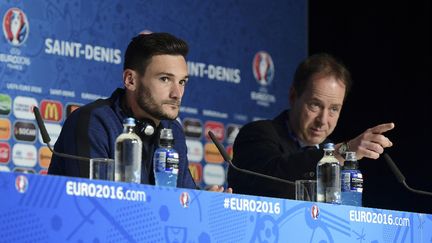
329,146
350,156
166,133
129,121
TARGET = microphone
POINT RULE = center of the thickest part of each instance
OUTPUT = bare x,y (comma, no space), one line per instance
227,158
400,177
46,138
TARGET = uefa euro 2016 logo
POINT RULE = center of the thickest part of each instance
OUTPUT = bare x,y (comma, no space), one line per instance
21,184
314,212
15,26
263,68
184,199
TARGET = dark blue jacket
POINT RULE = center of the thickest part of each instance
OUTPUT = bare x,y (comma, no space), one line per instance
91,131
267,147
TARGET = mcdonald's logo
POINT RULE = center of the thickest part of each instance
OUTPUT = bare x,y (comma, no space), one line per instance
51,110
196,171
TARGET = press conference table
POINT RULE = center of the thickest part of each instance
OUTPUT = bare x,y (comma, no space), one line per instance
41,208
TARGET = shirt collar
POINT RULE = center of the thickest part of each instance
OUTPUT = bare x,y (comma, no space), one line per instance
292,135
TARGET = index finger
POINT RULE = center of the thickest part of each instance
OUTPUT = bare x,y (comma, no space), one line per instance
382,128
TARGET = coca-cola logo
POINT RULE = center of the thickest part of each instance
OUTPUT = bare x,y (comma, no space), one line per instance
217,128
4,152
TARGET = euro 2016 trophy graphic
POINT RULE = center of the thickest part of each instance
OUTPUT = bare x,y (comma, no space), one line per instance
15,26
263,68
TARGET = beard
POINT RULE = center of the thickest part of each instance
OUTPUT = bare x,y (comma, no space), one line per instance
147,103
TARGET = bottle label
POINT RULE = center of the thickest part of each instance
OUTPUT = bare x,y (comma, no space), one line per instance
329,180
160,161
172,162
352,181
128,157
166,161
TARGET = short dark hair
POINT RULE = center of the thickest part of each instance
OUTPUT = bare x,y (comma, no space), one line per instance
323,65
144,46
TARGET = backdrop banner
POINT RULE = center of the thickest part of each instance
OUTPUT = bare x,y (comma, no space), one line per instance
59,55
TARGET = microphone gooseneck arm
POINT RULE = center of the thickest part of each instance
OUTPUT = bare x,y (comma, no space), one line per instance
400,177
46,138
227,158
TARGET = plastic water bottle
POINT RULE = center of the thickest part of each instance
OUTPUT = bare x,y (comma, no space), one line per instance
328,177
352,181
127,160
166,160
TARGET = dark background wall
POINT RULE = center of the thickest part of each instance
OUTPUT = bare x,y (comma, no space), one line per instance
388,48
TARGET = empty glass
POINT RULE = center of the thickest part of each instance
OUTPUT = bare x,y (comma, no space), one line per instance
102,169
305,190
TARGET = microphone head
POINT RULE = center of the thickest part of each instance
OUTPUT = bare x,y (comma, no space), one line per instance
394,168
45,137
219,146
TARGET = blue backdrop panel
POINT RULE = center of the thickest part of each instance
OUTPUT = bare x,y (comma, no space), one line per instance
59,55
60,209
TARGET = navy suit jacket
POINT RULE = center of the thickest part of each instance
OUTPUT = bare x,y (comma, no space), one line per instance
268,147
91,131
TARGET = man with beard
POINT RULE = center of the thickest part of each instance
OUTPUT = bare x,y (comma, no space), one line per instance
154,76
